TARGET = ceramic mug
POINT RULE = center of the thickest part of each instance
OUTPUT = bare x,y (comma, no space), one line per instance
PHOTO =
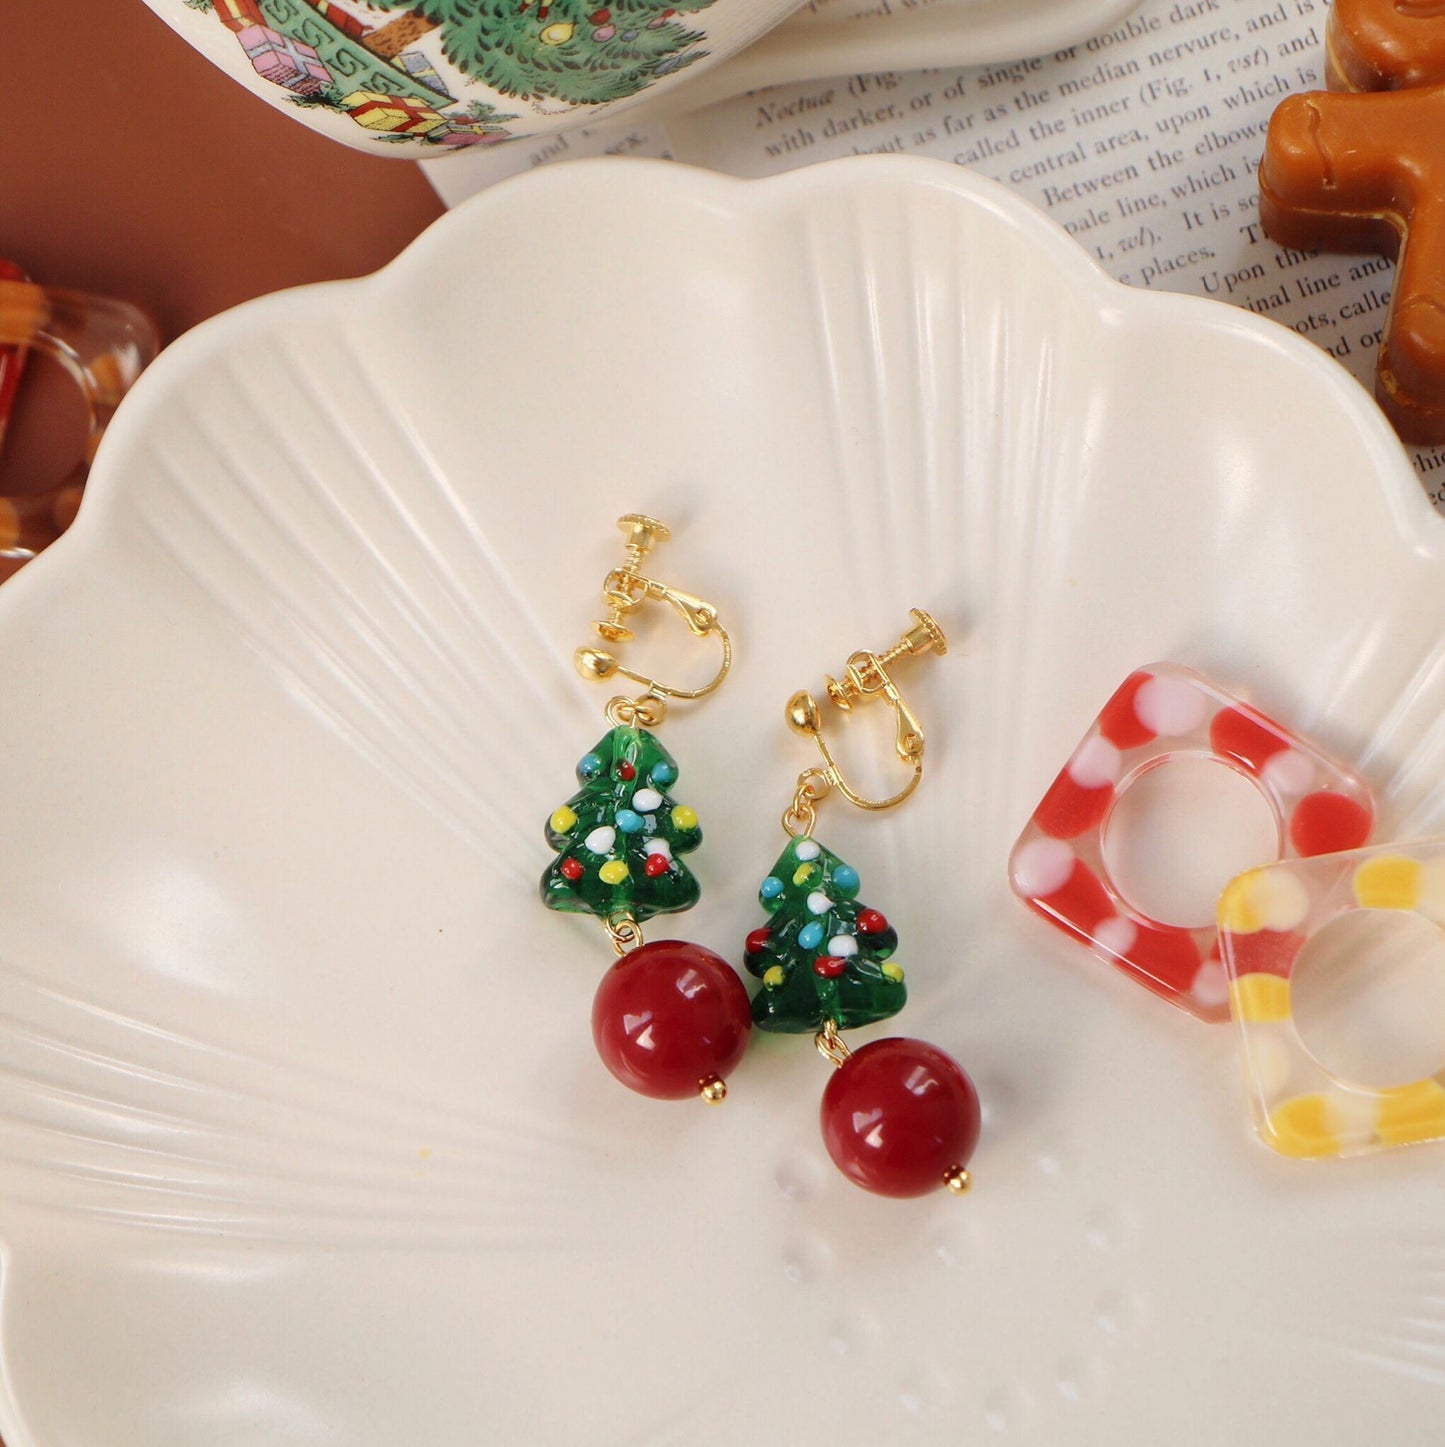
424,78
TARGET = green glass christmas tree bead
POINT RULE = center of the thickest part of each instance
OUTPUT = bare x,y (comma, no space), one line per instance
822,955
619,837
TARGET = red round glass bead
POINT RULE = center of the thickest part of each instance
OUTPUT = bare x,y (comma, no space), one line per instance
870,922
828,966
626,771
572,869
668,1017
757,940
656,864
898,1115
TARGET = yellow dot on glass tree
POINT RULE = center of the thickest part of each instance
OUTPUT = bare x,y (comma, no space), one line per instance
773,977
613,872
563,819
684,818
893,972
558,34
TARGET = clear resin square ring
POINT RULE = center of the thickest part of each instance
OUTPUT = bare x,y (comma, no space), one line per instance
1067,867
1337,984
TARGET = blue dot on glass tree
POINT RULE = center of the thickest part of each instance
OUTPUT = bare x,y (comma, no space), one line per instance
810,936
588,767
845,879
771,888
629,821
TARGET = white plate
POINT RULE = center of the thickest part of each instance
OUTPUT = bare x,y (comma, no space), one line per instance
846,37
304,1137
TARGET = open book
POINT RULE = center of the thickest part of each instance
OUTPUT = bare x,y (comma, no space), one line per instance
1143,142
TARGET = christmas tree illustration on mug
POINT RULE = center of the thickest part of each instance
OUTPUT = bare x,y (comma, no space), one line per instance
567,50
572,51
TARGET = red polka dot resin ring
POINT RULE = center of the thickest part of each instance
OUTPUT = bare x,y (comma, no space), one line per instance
670,1019
1158,715
899,1117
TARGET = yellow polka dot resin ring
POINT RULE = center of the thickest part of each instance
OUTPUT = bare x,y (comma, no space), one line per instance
899,1117
670,1019
1300,917
1060,867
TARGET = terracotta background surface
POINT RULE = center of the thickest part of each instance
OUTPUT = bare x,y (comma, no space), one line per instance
149,175
159,180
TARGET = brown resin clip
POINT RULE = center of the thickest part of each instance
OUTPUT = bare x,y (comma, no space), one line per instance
1385,44
1366,172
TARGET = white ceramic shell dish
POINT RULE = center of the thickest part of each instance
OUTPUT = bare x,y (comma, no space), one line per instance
304,1137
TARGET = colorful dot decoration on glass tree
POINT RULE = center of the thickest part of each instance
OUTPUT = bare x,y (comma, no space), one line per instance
670,1019
898,1116
619,838
823,955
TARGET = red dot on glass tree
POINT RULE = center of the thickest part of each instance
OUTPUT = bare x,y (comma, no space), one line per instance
656,865
601,17
828,966
572,869
626,772
757,940
900,1118
870,922
671,1020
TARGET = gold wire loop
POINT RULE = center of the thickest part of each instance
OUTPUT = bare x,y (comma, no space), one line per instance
801,815
829,1044
625,932
646,711
867,677
624,589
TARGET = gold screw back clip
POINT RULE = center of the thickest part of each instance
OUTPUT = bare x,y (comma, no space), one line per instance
866,676
626,588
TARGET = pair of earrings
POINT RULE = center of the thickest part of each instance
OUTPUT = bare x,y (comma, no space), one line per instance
671,1019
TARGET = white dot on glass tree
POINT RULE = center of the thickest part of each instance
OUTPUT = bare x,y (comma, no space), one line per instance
601,839
819,903
841,946
807,850
646,800
659,846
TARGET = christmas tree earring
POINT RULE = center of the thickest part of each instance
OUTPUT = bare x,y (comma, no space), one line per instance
899,1117
670,1019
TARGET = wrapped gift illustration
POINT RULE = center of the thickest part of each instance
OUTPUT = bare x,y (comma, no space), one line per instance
239,15
284,61
418,65
396,114
345,22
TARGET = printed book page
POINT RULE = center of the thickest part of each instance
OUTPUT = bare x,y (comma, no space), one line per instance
1143,143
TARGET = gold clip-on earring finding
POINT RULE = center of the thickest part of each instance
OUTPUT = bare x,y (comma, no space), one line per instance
624,589
866,677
